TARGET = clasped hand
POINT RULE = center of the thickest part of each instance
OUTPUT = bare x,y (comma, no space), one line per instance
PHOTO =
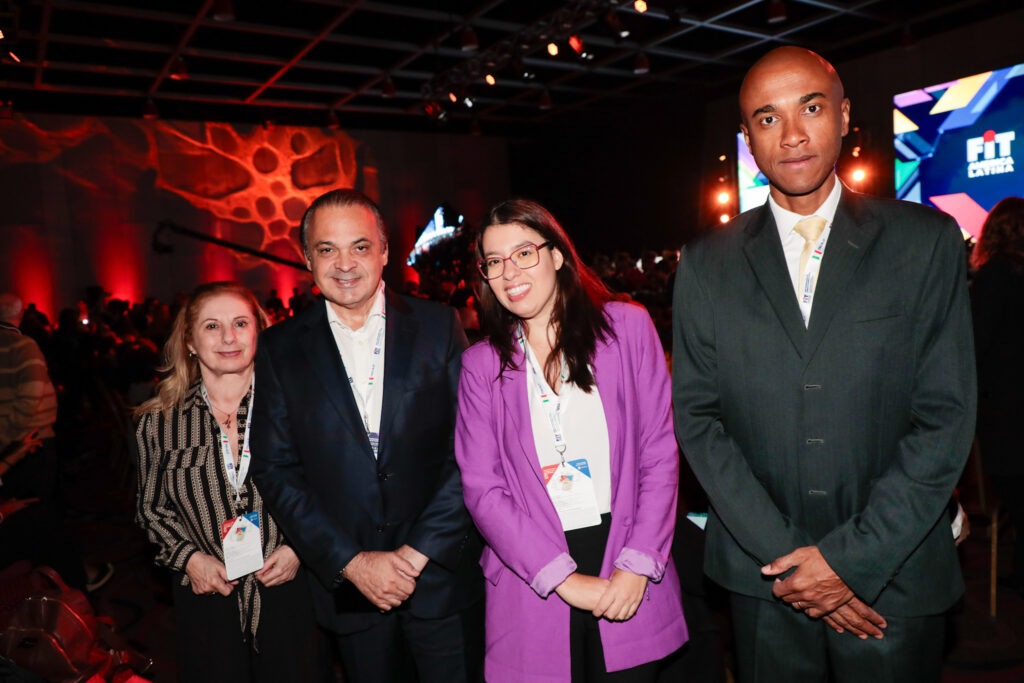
386,578
819,592
616,598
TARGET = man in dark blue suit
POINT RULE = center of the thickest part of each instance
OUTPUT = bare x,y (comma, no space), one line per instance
352,450
824,396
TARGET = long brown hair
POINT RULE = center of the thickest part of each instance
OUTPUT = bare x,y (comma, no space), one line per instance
578,313
1003,234
182,371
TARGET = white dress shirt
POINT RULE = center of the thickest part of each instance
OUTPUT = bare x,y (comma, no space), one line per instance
793,242
584,429
357,352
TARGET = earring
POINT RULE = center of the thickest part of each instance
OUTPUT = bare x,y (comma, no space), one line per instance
191,354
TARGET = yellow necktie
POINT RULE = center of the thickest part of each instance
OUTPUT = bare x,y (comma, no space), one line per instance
810,229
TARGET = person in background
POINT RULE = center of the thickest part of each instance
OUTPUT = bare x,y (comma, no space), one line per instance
569,464
997,300
242,606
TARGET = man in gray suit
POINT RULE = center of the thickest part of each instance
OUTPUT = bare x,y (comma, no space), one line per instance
824,395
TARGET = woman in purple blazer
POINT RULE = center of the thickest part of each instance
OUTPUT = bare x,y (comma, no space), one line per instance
569,464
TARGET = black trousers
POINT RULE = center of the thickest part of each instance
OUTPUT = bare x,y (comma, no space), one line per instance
403,648
211,648
774,643
586,547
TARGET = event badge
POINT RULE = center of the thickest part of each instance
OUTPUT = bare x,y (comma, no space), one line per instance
243,547
571,489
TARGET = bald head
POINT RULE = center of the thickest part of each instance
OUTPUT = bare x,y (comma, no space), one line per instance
786,62
794,117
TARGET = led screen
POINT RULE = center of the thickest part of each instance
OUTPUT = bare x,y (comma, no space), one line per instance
955,144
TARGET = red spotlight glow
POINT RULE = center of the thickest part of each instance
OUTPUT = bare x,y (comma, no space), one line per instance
723,197
724,218
859,175
576,44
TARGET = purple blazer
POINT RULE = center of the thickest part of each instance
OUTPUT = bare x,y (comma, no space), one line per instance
526,556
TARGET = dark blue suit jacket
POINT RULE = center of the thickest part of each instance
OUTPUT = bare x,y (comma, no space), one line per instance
313,464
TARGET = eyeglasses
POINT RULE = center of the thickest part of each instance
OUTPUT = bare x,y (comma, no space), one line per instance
526,256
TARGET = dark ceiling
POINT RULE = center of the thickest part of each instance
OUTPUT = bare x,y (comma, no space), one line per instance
385,64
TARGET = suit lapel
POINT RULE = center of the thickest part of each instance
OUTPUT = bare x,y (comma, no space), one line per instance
764,252
400,330
515,397
322,353
852,234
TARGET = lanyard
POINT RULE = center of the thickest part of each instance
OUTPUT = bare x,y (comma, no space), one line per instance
810,281
235,476
549,400
363,397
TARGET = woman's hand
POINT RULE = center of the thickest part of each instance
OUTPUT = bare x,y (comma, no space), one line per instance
279,568
622,598
208,575
582,591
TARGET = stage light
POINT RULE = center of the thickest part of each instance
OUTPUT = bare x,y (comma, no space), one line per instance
14,56
179,71
859,175
723,197
724,218
489,78
722,157
545,102
641,65
640,6
453,97
149,110
387,88
856,151
2,36
615,24
553,49
468,39
468,101
776,11
576,44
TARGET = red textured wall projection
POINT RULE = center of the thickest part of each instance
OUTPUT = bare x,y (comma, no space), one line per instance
105,184
81,199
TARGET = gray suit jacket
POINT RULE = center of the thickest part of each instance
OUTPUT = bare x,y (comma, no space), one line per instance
849,434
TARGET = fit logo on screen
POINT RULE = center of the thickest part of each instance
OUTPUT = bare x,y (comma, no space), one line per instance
994,151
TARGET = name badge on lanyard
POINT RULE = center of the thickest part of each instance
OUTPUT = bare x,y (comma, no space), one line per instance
569,483
240,535
363,397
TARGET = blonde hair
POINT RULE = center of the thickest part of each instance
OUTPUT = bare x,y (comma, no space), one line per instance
180,367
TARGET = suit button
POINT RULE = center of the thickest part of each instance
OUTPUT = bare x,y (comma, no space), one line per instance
382,476
380,528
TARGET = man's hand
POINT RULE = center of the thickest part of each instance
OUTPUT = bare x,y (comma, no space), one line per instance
813,587
385,578
208,576
280,567
858,619
582,590
413,557
622,597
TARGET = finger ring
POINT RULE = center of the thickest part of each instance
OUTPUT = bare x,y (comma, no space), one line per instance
797,605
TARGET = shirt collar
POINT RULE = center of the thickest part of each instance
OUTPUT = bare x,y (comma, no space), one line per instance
786,220
375,313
